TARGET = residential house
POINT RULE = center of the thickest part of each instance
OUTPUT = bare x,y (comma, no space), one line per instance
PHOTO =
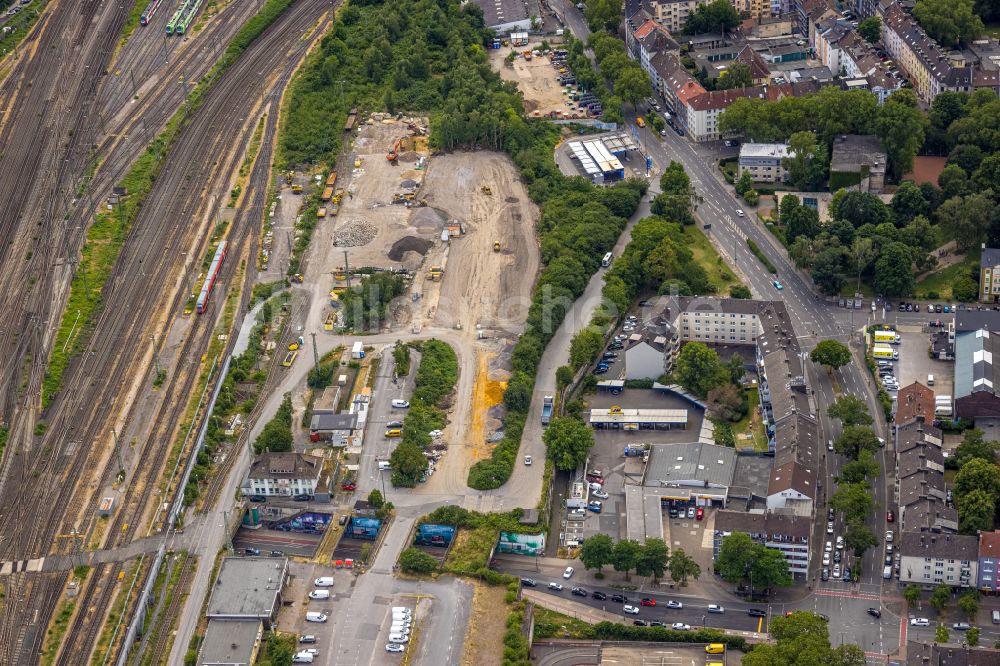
673,14
913,401
920,484
644,359
284,475
989,562
933,559
858,163
950,654
989,275
809,13
764,162
338,429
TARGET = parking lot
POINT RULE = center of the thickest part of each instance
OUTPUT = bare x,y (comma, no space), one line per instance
915,365
266,541
692,535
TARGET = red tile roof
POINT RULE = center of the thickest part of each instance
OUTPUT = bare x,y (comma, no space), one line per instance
989,544
913,401
645,29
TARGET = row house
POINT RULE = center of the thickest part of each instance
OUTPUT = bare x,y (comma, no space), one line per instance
927,67
786,533
809,13
930,560
846,53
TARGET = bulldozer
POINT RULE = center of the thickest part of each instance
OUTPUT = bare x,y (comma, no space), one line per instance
297,278
496,246
485,189
435,273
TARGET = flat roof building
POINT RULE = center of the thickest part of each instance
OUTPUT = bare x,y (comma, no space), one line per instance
248,588
685,472
634,419
231,643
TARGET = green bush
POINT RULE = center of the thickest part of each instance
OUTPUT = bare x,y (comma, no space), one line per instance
762,257
416,561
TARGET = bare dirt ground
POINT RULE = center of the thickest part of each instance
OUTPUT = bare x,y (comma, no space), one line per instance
484,644
535,78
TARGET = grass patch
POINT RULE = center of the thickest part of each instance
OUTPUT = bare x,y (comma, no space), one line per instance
22,23
132,22
471,549
852,286
940,282
719,274
4,435
751,423
762,257
57,630
551,624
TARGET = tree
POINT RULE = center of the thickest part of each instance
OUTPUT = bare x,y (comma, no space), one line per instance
740,291
912,595
737,368
807,161
857,471
737,75
968,603
940,597
276,436
826,267
859,537
802,638
974,445
626,555
972,636
716,16
948,22
633,85
976,511
602,14
674,179
564,376
770,568
736,554
900,124
941,634
893,271
871,29
597,551
831,353
683,567
859,208
375,499
800,220
968,218
699,369
726,402
653,559
851,410
907,203
744,183
953,181
854,500
416,561
584,347
567,441
977,474
408,463
854,439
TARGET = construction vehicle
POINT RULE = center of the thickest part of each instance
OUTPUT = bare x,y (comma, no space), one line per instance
327,194
496,246
321,212
288,176
331,319
334,209
297,278
394,151
485,189
357,162
332,179
289,359
435,273
296,188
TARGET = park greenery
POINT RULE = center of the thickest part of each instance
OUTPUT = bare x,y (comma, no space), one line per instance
887,246
948,22
802,637
435,380
630,82
651,558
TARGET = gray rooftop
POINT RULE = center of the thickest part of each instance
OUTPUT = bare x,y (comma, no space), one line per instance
973,320
930,515
286,466
499,12
950,654
686,465
777,526
248,587
940,546
852,151
752,476
974,369
327,420
795,440
230,643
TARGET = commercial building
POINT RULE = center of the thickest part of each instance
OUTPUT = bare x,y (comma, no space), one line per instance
284,475
698,473
913,401
989,275
504,16
231,643
616,418
989,562
248,588
763,161
975,374
930,559
327,425
786,533
858,163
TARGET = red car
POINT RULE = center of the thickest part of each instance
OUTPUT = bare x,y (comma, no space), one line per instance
700,514
890,516
595,479
347,485
646,601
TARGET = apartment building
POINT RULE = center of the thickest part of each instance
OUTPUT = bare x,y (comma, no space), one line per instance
930,559
764,162
989,562
989,275
788,534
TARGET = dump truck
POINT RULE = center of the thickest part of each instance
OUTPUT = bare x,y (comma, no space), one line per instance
496,246
289,359
547,404
435,273
321,212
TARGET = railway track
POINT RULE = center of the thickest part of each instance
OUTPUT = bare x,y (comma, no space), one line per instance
167,617
134,290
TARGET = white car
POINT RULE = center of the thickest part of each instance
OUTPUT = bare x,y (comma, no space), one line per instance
716,608
680,626
600,494
435,433
826,559
399,638
840,543
836,571
674,604
527,460
828,547
568,573
400,404
556,586
919,622
394,647
631,610
829,527
888,536
739,211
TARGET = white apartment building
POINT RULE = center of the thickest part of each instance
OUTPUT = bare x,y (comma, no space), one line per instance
283,474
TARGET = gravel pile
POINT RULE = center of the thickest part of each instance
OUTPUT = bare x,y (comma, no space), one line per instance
355,233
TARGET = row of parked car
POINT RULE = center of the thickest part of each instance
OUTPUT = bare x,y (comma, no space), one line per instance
399,630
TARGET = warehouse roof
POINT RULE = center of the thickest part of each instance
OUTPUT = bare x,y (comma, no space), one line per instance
647,416
248,587
707,465
230,643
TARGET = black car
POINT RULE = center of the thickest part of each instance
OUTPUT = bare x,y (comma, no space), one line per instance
258,498
902,307
394,424
528,582
640,623
874,612
756,612
673,512
579,592
302,498
600,596
252,551
620,598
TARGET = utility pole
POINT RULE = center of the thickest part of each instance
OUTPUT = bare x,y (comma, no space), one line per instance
315,350
347,270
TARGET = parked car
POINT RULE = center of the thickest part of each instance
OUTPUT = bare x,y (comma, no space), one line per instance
699,514
600,494
961,626
825,574
394,647
640,623
600,596
529,582
631,610
680,626
777,285
252,551
578,592
690,513
756,612
304,497
556,586
919,622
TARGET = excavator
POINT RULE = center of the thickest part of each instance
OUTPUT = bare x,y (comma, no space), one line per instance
393,152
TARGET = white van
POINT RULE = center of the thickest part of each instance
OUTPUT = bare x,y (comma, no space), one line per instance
400,404
996,617
887,572
399,638
319,594
401,609
303,658
383,465
315,617
402,617
930,380
325,581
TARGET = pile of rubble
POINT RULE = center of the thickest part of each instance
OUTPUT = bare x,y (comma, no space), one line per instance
355,233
